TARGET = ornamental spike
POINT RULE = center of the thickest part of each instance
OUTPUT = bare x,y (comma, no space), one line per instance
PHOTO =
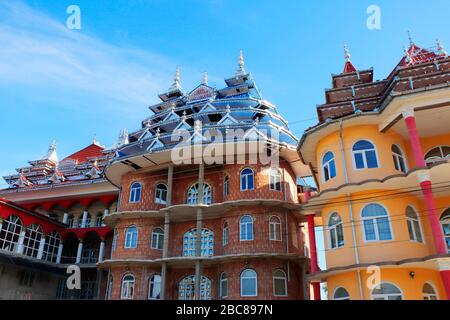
205,78
240,71
347,54
440,47
176,80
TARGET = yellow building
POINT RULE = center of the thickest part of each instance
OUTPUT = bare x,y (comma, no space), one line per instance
381,161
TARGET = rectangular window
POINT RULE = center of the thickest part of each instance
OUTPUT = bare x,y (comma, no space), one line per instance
279,287
384,228
359,161
371,158
223,288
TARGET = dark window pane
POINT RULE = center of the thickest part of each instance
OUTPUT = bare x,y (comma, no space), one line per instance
359,161
371,158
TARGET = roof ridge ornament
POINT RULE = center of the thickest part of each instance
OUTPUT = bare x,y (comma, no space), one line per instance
411,42
240,71
440,47
205,78
347,54
176,81
51,153
407,55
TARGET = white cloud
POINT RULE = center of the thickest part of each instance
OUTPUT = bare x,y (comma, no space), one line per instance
40,52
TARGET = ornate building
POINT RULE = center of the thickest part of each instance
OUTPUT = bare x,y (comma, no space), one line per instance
52,218
199,229
380,157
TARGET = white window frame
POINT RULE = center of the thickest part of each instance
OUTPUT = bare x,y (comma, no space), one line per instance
427,296
363,152
432,160
133,195
225,233
226,186
333,229
126,286
241,224
284,278
193,196
12,227
158,235
246,177
127,233
275,180
277,235
377,233
327,165
32,240
256,283
223,279
191,242
159,192
340,299
399,157
152,281
411,221
442,222
386,296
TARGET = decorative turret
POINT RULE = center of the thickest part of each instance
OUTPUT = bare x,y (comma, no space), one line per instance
176,81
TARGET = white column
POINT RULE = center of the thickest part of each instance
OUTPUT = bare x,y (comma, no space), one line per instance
20,243
101,251
60,250
105,214
83,222
41,248
80,250
65,218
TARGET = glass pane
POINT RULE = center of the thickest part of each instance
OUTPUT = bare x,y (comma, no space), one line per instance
410,230
371,158
369,229
332,169
359,161
249,287
417,231
384,229
280,287
333,238
340,235
250,182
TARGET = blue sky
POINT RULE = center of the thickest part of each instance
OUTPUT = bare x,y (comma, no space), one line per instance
68,85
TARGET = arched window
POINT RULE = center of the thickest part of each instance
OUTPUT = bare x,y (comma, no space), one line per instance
437,154
328,166
275,229
364,155
157,238
399,159
387,291
223,289
412,220
10,233
247,182
186,290
131,237
246,228
249,283
335,231
161,194
275,180
445,222
193,194
32,240
135,192
279,283
428,292
127,287
341,294
376,223
52,242
154,287
225,233
99,219
190,243
226,186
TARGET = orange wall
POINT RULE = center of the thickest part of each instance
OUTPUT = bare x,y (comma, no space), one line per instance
411,287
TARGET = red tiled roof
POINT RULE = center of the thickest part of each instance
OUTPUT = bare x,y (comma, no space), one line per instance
89,152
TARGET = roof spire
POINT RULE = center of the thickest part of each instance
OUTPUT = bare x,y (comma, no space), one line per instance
176,81
349,67
347,53
240,71
205,78
410,38
440,47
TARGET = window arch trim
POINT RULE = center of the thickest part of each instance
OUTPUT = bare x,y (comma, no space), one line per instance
376,230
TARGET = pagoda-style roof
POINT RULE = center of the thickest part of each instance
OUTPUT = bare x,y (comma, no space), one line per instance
355,91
